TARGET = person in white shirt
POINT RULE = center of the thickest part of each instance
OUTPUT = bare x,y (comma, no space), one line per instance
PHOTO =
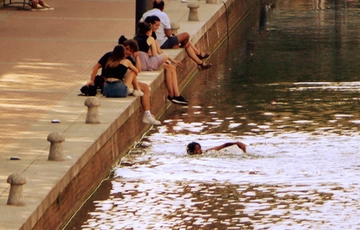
160,23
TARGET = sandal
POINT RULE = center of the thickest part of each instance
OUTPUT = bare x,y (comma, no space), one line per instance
201,57
203,66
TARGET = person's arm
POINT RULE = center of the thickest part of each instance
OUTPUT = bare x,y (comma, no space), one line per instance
95,70
137,61
167,25
239,144
131,66
168,33
175,62
158,47
154,46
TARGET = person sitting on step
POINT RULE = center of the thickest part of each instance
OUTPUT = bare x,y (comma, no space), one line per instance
161,26
115,68
147,45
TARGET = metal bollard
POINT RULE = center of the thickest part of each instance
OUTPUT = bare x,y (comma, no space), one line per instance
56,151
16,182
174,27
193,14
92,116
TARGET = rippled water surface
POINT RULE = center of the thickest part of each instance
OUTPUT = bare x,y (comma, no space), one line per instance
289,89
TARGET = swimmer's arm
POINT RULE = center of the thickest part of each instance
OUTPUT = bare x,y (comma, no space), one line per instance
239,144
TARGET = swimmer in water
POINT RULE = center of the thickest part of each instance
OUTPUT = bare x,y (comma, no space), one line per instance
194,148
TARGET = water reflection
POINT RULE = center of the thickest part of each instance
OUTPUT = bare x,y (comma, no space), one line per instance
290,91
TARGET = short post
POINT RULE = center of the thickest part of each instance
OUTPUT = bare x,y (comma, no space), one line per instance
193,14
16,182
92,116
174,27
56,151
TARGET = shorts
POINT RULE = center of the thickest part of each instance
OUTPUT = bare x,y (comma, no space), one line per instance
170,43
115,89
150,63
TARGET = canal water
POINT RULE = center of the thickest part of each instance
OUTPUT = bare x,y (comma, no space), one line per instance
287,85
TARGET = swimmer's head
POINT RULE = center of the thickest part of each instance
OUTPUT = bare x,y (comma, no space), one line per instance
193,148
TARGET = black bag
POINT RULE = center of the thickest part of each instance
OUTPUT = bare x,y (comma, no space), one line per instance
92,89
99,82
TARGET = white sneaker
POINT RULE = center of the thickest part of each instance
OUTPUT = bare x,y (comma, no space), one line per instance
130,91
184,1
38,7
137,93
150,120
46,6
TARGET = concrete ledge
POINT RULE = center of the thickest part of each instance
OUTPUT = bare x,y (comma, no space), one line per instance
54,190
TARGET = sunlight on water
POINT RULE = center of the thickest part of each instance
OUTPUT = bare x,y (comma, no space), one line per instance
282,182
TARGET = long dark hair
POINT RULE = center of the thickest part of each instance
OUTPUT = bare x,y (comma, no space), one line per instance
116,56
133,45
152,19
143,28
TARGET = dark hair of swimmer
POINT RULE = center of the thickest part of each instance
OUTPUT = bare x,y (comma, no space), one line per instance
193,148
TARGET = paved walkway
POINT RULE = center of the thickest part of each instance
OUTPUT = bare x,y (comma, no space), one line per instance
45,57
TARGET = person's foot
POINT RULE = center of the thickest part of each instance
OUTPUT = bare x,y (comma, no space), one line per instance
202,55
149,119
40,7
137,93
44,5
37,6
130,91
179,100
204,66
184,1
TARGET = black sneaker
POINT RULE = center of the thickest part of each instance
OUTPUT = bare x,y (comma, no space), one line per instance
170,98
179,100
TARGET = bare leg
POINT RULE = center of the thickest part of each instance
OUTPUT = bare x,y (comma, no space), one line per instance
197,52
191,53
145,100
175,81
169,79
183,39
130,80
34,3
